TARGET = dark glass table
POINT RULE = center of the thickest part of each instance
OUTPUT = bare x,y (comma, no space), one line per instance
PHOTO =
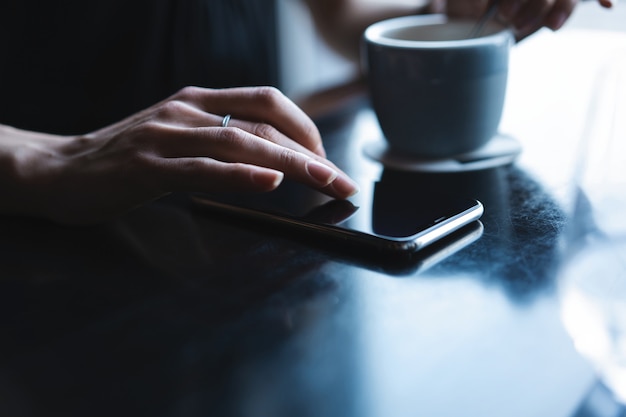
169,311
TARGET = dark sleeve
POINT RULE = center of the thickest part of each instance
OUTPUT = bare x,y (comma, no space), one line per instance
70,66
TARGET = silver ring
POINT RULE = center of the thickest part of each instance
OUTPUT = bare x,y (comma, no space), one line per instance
225,120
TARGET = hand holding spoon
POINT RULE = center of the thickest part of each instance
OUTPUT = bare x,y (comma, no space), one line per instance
486,16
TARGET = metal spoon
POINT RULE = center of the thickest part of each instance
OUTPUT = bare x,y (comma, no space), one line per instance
482,22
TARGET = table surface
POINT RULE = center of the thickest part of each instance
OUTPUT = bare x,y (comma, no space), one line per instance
170,311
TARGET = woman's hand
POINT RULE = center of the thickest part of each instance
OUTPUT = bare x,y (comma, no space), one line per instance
176,145
525,16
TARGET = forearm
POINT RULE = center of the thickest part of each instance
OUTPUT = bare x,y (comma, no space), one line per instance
342,22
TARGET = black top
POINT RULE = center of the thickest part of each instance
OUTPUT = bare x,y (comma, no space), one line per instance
72,66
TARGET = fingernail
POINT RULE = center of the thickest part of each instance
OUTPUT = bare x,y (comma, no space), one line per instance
344,187
607,3
321,173
267,179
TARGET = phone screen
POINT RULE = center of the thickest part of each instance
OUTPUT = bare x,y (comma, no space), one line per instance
382,216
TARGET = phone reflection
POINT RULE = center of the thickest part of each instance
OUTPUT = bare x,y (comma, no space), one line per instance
380,208
332,212
523,224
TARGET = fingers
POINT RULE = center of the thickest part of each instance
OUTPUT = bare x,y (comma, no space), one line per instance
236,148
530,15
269,132
267,137
159,136
560,12
180,113
467,9
265,105
534,14
525,16
209,175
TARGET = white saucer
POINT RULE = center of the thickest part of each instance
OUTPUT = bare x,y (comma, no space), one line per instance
501,150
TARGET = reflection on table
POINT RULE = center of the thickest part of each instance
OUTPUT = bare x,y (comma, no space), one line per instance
169,311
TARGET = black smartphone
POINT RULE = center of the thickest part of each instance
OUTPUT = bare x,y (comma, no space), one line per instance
382,218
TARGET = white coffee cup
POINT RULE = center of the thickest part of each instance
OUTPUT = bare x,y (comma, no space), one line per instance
436,91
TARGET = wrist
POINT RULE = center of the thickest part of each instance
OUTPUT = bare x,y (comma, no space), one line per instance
27,161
